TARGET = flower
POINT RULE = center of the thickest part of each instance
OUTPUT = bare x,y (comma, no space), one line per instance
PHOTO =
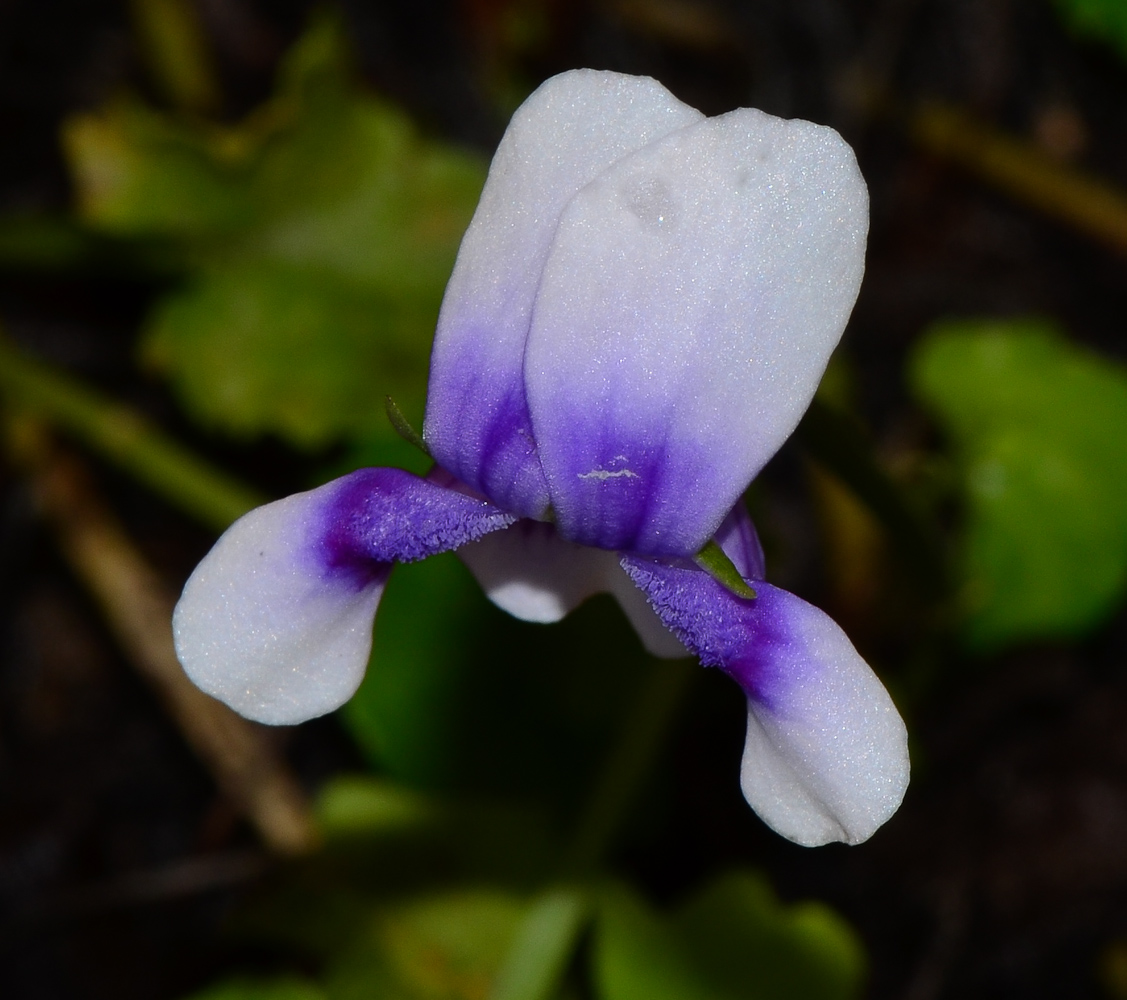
640,312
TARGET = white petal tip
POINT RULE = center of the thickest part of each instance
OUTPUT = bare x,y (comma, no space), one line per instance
265,627
828,759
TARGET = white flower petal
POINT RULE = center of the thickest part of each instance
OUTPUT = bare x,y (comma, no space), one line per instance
533,574
262,627
692,297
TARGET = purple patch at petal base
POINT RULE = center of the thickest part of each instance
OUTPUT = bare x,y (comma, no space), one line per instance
747,639
477,425
375,517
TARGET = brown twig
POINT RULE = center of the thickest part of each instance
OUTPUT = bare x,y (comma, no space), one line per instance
1021,170
241,755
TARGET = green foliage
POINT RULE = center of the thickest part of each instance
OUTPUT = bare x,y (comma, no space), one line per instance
318,235
732,941
422,661
461,697
542,945
442,947
286,988
409,914
366,806
1037,425
1102,19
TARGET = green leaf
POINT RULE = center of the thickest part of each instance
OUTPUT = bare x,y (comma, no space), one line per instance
286,988
138,172
353,805
442,947
1037,428
638,955
422,658
750,945
1105,20
542,946
733,941
257,348
318,234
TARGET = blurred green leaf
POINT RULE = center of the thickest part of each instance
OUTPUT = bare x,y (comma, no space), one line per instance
286,988
750,945
319,234
1102,19
422,660
1037,425
361,804
258,348
638,955
542,946
442,947
732,941
138,172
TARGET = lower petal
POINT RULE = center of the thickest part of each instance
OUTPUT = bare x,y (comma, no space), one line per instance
276,621
534,575
826,757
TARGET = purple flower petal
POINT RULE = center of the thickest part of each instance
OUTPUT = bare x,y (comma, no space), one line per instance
277,619
689,304
826,755
534,575
740,541
570,130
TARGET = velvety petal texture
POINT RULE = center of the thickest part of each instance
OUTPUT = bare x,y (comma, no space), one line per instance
687,309
826,756
277,619
567,133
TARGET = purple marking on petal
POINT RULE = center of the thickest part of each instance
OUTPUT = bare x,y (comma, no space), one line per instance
486,434
826,753
375,517
568,132
741,637
690,301
740,541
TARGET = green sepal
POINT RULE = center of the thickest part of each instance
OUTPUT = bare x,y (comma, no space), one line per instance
403,426
713,561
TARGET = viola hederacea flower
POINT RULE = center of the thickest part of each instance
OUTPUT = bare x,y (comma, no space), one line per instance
639,315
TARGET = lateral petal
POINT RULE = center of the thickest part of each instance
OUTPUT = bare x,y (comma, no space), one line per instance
826,756
570,130
276,621
690,301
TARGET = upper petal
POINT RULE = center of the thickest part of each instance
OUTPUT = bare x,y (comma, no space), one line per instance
569,131
826,756
688,307
276,621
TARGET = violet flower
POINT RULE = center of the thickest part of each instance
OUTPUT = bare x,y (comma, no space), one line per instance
641,311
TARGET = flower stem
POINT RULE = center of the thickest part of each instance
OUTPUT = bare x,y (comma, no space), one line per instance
125,438
628,765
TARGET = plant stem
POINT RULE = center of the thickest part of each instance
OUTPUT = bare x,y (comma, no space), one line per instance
125,438
243,757
629,764
1088,204
543,945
